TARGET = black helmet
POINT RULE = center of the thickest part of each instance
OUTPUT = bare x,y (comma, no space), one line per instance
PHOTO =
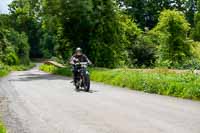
78,50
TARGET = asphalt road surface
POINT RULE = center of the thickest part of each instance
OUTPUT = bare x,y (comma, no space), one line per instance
35,102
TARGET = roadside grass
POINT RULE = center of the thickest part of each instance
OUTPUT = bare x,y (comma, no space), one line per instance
2,128
22,67
158,81
55,70
5,70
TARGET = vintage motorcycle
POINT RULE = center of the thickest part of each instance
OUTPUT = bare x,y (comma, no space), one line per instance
83,77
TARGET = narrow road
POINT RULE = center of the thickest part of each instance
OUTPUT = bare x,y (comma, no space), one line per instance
35,102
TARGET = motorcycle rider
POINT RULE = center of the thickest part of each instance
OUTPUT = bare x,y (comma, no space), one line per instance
76,58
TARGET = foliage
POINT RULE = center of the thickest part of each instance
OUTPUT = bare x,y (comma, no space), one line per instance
146,12
14,47
53,42
5,21
2,128
180,85
196,29
129,36
55,70
4,70
194,61
10,58
143,50
20,44
21,67
173,48
47,43
107,31
159,81
24,19
95,25
7,52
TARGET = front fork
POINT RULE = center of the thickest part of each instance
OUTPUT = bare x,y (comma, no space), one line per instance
80,79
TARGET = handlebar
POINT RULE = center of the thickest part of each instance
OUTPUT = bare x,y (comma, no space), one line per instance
81,63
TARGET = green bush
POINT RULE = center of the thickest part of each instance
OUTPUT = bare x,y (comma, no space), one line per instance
143,51
11,59
158,81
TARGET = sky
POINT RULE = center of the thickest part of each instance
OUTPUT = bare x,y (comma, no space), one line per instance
4,6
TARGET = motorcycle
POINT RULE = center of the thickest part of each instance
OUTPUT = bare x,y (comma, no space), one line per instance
83,77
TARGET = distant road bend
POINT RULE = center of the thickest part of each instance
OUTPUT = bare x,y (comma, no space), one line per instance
35,102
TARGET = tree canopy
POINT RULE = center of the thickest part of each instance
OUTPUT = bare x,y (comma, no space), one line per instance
113,33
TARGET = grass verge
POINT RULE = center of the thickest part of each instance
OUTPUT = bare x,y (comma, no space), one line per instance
2,128
5,70
158,81
22,67
55,70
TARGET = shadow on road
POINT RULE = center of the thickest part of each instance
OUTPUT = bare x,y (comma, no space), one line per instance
82,90
28,77
31,77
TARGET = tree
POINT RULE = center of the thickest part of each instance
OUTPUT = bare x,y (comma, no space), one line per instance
94,25
14,47
146,12
196,29
19,43
143,51
24,14
191,8
173,29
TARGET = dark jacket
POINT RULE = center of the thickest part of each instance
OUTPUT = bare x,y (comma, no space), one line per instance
79,58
